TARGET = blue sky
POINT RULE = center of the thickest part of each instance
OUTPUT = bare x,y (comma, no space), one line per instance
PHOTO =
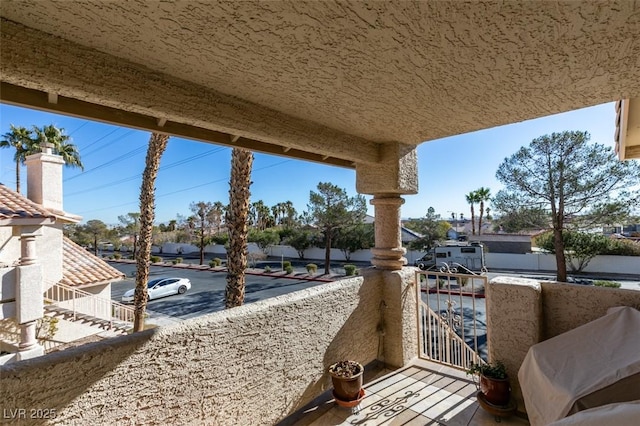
190,171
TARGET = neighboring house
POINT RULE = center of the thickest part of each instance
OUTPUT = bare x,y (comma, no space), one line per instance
36,259
505,243
407,235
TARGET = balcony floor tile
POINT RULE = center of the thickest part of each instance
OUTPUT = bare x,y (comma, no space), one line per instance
420,394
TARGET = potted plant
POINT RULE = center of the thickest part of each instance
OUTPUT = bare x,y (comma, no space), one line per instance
494,382
346,377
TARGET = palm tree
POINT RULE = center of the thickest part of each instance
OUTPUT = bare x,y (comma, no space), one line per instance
290,214
157,145
483,194
472,198
55,136
217,215
236,220
19,138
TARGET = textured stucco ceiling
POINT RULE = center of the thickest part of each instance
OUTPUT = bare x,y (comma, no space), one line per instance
352,73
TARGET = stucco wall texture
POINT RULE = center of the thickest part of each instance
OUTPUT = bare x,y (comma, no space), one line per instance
249,365
384,71
566,306
522,312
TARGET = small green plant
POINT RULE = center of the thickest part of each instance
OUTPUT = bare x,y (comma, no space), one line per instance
312,268
155,259
217,261
117,256
605,283
285,264
267,269
495,370
350,270
176,260
46,328
212,264
288,269
441,282
462,281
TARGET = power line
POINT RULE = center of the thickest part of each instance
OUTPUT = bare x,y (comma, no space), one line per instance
183,189
137,176
106,144
108,163
81,126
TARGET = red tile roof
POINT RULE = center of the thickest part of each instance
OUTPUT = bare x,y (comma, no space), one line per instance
16,206
81,268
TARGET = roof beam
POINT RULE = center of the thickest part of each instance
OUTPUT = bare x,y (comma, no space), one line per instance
115,88
20,96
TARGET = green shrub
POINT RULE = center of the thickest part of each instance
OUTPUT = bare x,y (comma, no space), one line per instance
288,269
286,264
462,281
176,260
267,269
605,283
215,262
496,370
117,256
312,268
350,270
623,248
155,259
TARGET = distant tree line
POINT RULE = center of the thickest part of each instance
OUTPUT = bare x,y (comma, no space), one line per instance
332,216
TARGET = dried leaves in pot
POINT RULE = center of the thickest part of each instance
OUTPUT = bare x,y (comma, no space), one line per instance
346,369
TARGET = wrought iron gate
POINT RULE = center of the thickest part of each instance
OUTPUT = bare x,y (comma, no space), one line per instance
451,322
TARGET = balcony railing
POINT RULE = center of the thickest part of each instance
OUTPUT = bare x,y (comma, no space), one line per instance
449,328
80,305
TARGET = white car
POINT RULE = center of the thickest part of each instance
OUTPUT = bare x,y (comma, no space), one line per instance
161,287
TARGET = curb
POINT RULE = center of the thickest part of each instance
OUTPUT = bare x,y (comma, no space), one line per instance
195,267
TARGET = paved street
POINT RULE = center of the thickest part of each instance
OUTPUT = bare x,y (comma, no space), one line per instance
207,290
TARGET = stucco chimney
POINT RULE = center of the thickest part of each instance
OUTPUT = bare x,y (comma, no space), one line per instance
44,178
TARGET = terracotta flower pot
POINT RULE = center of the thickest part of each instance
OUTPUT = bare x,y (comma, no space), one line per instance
346,377
495,391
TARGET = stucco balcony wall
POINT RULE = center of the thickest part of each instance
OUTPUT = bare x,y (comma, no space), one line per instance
567,306
522,312
514,312
249,365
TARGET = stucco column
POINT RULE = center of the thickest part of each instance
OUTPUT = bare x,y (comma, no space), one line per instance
27,249
388,252
394,175
28,336
29,296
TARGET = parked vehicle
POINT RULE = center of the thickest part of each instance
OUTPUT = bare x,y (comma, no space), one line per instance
161,287
471,256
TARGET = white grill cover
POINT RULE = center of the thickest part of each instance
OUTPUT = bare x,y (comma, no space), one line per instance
623,414
557,372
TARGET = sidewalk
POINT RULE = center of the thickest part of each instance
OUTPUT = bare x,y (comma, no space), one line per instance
299,273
